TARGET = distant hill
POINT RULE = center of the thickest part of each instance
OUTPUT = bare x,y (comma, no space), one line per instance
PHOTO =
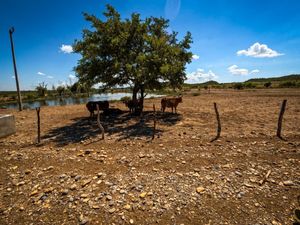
207,83
292,77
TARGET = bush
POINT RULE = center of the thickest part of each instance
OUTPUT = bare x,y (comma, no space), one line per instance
30,96
196,94
268,84
125,99
249,85
238,86
288,84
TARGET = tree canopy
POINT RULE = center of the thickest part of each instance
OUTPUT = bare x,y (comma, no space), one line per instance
135,52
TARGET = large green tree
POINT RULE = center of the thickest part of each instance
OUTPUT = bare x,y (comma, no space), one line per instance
135,52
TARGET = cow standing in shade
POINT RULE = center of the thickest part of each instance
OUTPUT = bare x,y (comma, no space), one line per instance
170,103
133,104
92,106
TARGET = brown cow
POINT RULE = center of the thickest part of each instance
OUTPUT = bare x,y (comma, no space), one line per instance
170,103
92,106
133,104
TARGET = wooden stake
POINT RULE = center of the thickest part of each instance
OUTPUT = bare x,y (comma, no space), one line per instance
280,118
154,121
38,109
11,30
98,122
219,123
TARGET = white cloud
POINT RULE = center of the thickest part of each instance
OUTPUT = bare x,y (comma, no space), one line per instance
40,73
255,71
195,57
201,76
72,77
50,77
258,50
13,77
66,49
235,70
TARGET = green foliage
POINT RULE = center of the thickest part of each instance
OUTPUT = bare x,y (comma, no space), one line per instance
249,85
288,84
267,84
60,90
41,89
238,86
80,87
30,96
141,53
293,77
125,99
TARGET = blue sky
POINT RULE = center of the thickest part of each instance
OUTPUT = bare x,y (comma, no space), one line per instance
233,40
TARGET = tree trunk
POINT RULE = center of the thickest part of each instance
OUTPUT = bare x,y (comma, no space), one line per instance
142,98
134,97
134,92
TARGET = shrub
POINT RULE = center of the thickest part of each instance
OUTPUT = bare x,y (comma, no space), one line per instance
268,84
30,96
249,85
238,86
125,99
288,84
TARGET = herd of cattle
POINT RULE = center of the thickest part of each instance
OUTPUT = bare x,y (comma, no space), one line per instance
132,105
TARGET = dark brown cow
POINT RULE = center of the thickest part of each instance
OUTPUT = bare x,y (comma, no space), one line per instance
170,103
133,104
92,106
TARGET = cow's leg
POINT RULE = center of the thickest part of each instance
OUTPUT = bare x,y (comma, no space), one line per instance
175,110
172,109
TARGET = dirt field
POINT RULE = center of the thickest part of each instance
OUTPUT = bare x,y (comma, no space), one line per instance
178,178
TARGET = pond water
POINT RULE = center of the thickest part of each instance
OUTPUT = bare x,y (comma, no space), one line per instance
72,100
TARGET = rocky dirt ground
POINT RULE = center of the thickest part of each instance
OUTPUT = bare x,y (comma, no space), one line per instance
248,176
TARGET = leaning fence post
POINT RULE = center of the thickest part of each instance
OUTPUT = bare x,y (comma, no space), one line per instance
154,121
282,110
39,124
98,122
219,123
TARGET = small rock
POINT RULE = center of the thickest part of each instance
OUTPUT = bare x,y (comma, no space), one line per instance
143,195
65,192
131,221
33,193
73,187
288,183
127,206
200,190
112,210
78,177
86,182
83,220
27,172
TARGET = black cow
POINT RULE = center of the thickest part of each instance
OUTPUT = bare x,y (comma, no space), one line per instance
92,106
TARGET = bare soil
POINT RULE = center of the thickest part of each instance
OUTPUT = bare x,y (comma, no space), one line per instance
247,176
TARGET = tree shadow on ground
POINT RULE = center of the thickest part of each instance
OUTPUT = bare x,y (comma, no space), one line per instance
122,125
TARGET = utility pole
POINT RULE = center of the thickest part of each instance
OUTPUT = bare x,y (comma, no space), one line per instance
11,30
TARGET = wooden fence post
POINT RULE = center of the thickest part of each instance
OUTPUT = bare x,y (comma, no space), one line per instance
279,125
98,122
154,121
219,123
38,109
